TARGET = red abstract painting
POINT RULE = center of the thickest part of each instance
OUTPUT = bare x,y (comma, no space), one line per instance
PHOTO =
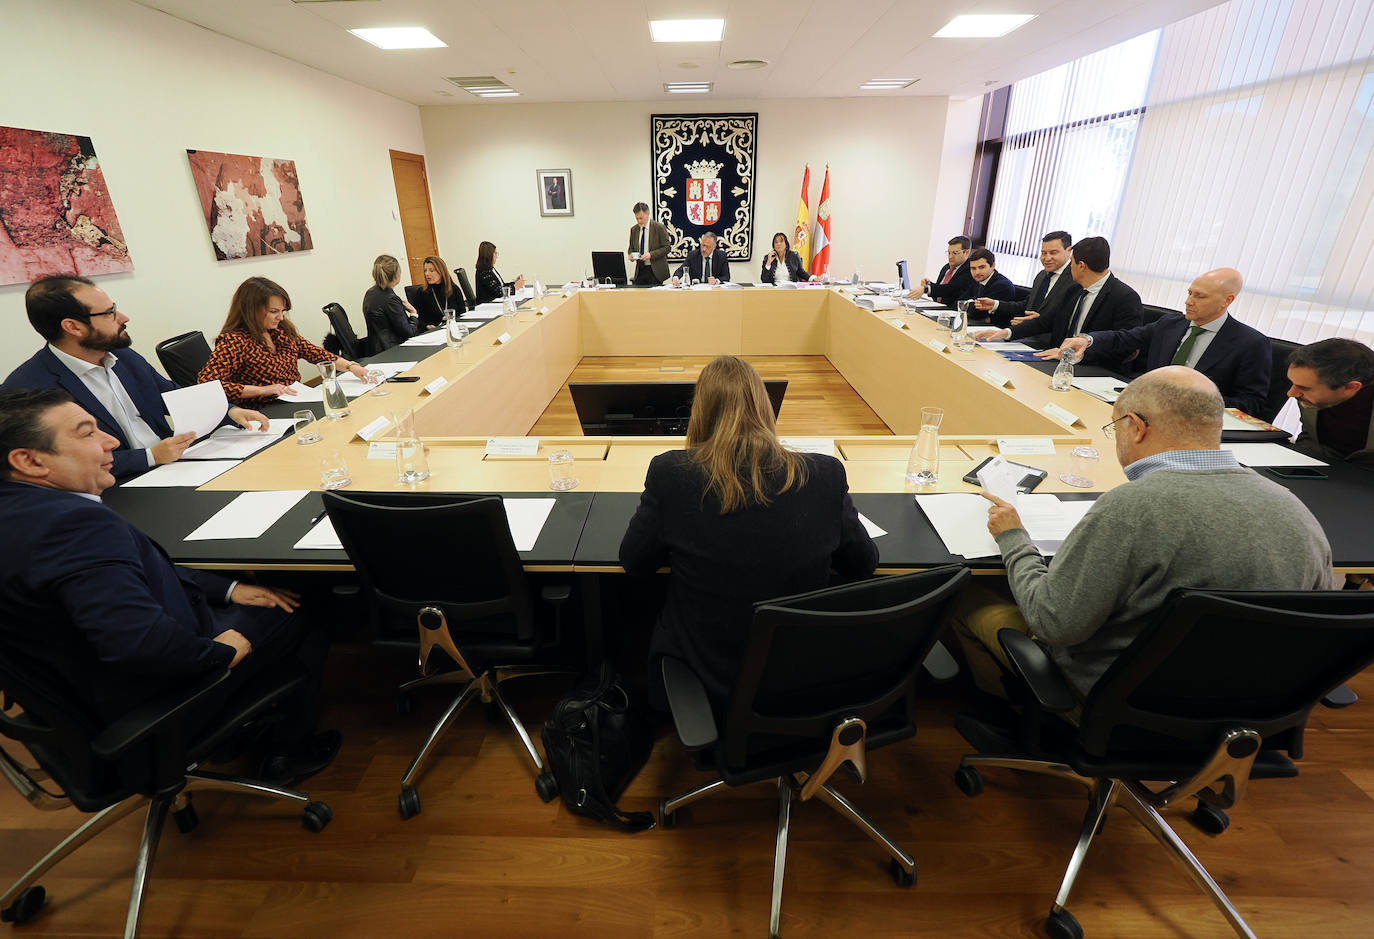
252,205
56,216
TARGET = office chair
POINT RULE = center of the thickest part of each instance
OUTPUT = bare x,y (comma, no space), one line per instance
465,285
146,757
350,346
464,585
825,677
1279,351
184,356
1202,701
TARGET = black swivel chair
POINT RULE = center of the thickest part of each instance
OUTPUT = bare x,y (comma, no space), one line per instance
350,346
1279,351
465,285
146,757
826,676
184,356
1201,702
478,624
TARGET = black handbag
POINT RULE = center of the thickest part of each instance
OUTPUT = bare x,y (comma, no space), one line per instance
595,741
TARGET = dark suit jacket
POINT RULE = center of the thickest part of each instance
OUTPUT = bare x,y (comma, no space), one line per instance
958,286
388,323
1238,359
659,244
429,302
96,604
143,383
1117,307
723,564
795,269
489,284
1065,290
998,287
720,266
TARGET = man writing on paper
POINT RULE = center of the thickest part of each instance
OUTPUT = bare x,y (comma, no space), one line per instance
705,265
1333,381
954,280
649,244
1187,518
1052,289
94,603
88,356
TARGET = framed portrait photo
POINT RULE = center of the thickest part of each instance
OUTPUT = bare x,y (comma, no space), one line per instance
555,191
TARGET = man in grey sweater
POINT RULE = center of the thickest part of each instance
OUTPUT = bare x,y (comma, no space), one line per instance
1189,517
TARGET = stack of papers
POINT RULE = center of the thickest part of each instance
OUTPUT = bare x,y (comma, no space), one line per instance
526,518
188,473
1104,389
235,443
1006,346
353,386
1270,454
875,302
961,520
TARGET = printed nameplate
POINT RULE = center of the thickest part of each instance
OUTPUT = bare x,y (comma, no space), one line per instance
512,446
1025,446
1068,418
898,323
434,386
382,450
373,429
502,339
996,377
937,345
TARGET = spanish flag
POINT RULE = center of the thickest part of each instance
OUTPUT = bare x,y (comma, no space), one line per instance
822,261
801,238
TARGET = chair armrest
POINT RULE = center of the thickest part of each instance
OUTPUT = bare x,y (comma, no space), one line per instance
555,593
151,717
696,725
1037,672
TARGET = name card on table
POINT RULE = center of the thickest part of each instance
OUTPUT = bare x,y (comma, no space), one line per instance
1067,418
373,429
381,450
512,446
996,377
937,345
434,386
502,339
1025,446
898,323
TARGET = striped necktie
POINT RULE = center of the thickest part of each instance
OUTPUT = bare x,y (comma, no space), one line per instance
1181,356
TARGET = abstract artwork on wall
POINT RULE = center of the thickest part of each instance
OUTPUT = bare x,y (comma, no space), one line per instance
252,205
56,216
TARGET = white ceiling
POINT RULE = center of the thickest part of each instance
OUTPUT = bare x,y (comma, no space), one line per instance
599,50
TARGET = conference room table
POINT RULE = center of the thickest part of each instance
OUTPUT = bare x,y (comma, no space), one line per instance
501,380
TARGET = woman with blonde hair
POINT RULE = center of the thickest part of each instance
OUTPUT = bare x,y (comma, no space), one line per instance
390,320
738,518
257,352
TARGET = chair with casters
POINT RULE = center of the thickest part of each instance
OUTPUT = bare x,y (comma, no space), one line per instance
147,757
465,285
350,346
1213,693
465,588
825,677
184,356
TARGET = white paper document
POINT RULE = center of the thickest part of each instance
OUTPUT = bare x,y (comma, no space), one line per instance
1006,346
1270,454
1105,389
1049,520
196,408
961,521
235,443
1000,478
877,303
825,445
433,337
873,530
353,386
1025,446
248,516
526,518
303,393
321,537
181,473
493,308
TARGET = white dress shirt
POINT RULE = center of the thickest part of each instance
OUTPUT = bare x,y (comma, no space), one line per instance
1203,341
104,384
1085,306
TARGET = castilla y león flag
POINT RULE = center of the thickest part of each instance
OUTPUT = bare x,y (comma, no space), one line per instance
821,264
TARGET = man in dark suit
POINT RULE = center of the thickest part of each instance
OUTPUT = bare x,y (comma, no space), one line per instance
1206,337
982,268
88,356
649,244
953,280
1333,382
96,605
705,264
1052,288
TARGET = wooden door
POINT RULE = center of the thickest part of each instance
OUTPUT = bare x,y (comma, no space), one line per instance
417,218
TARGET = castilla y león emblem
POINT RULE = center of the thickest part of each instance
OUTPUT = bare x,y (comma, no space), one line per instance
703,192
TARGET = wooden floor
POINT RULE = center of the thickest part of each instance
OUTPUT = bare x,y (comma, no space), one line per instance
819,402
487,858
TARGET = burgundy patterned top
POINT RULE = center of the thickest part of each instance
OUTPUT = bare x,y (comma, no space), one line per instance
238,360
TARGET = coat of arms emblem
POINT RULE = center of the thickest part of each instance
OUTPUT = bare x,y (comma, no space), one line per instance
703,192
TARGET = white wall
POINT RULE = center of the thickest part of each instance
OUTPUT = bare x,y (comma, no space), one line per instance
956,172
885,156
144,87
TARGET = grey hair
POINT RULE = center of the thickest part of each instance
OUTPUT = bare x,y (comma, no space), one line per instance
1183,407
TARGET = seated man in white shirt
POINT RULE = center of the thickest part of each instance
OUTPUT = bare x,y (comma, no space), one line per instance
88,356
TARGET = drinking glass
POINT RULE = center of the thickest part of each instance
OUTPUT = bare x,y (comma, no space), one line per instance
959,334
412,466
334,471
923,465
561,477
302,421
1082,466
377,379
507,302
335,401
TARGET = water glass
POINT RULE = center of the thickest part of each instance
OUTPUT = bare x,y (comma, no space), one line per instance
334,471
561,477
302,421
377,379
335,401
1082,466
959,334
412,466
455,331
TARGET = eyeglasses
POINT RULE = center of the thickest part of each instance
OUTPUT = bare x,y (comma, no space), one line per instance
1109,430
114,308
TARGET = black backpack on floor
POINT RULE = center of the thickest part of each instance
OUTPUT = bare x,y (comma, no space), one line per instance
595,741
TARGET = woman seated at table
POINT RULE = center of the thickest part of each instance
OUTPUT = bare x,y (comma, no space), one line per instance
258,348
791,269
437,294
390,320
738,518
489,281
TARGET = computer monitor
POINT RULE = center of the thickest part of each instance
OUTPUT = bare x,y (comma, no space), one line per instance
609,264
644,408
903,277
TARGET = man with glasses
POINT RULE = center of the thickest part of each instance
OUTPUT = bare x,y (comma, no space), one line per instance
1190,516
88,356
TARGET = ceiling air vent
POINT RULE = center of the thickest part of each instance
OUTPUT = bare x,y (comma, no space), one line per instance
485,86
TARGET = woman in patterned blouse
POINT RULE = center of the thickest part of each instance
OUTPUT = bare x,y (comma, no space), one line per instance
256,353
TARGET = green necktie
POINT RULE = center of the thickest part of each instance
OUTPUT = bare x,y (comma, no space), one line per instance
1181,356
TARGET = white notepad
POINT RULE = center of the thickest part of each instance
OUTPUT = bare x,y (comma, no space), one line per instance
526,518
248,516
181,473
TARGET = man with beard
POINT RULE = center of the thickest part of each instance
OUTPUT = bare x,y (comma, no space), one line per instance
1333,381
88,356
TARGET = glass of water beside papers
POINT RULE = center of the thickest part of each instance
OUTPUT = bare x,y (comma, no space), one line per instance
302,421
561,477
923,465
334,471
1082,467
412,466
377,379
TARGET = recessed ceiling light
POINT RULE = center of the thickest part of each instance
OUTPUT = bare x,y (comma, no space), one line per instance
745,65
687,88
508,93
686,30
983,25
887,84
401,37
